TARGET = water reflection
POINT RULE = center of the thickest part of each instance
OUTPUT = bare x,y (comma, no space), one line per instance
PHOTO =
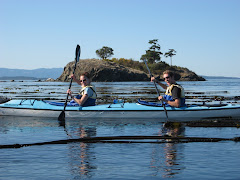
80,155
83,159
173,129
165,156
165,161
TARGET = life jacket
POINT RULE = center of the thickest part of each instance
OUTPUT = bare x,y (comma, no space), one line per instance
168,95
91,101
94,96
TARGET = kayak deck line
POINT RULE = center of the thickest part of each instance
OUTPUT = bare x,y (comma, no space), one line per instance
32,103
25,102
189,108
35,104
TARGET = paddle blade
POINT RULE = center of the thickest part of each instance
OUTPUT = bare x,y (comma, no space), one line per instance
61,117
78,50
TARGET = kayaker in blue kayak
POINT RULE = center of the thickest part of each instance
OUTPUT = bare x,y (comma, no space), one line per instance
87,95
174,95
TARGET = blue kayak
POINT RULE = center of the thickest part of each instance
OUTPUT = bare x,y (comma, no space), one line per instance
139,110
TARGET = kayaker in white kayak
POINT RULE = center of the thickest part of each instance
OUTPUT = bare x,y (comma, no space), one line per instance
174,95
87,95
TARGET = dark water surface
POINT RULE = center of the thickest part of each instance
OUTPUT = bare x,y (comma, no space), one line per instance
77,160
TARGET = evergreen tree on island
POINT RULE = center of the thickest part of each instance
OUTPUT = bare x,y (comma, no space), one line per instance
170,53
153,54
104,52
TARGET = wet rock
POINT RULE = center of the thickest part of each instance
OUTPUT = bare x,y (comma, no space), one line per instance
3,99
50,80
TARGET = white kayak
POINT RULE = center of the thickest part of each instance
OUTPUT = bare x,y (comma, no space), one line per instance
139,110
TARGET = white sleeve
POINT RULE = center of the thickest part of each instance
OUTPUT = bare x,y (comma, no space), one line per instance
88,91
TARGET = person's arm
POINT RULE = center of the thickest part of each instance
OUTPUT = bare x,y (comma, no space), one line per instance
176,95
160,84
174,103
88,92
82,100
79,101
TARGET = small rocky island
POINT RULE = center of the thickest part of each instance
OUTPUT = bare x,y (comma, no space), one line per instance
107,71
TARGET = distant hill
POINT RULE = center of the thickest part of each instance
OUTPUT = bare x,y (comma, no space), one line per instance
40,73
217,77
20,78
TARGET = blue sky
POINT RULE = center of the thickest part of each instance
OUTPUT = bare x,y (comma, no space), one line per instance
44,33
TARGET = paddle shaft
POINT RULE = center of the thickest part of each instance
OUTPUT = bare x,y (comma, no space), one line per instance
76,60
61,117
156,87
152,76
70,85
78,50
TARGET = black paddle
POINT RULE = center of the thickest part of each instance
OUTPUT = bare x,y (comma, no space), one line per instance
61,117
156,88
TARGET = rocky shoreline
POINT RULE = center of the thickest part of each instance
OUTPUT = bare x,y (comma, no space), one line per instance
106,71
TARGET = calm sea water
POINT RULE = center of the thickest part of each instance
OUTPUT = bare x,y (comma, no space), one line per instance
202,160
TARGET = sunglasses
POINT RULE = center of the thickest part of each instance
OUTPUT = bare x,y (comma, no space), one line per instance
166,77
82,80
